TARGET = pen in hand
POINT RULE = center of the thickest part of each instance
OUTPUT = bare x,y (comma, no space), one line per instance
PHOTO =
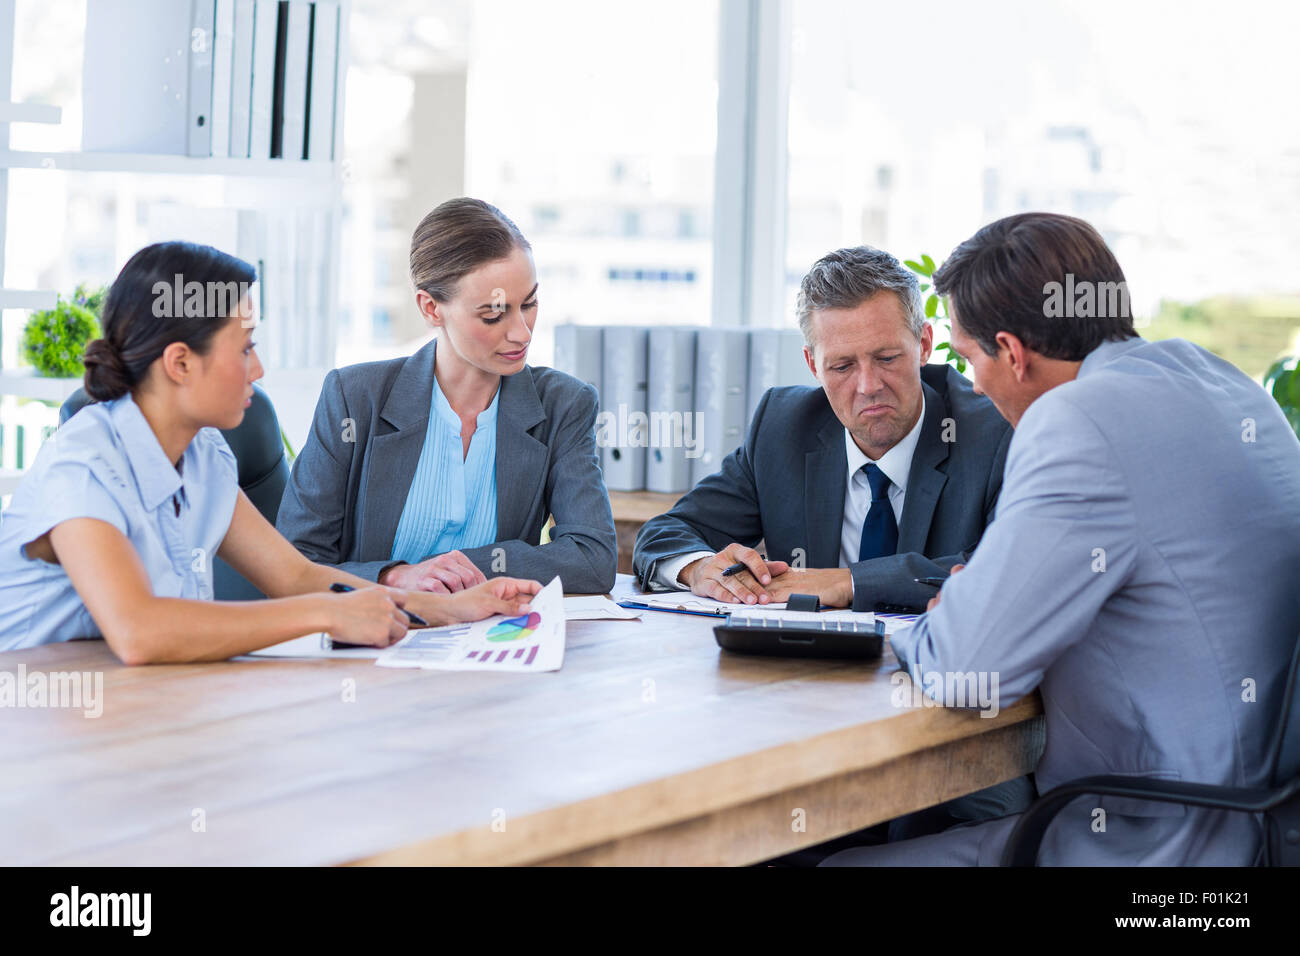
934,582
339,588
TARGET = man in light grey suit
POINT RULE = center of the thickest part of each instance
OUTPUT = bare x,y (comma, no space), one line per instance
1140,571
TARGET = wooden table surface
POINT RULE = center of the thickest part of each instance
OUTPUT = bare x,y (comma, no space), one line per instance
651,746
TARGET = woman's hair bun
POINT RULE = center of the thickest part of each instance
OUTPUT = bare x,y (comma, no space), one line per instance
107,376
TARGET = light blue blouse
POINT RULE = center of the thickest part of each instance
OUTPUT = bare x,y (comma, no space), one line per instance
105,462
452,502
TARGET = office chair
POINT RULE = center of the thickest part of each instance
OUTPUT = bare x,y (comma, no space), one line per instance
263,474
1279,802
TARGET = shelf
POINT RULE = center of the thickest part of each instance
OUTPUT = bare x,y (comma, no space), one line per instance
27,299
30,113
25,383
315,170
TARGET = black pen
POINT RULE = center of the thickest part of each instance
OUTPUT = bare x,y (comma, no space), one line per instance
735,569
340,588
933,582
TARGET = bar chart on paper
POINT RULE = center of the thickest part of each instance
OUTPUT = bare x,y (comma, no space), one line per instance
523,655
526,642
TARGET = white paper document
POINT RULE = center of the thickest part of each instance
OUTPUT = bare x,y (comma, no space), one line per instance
528,642
897,622
315,646
686,601
596,608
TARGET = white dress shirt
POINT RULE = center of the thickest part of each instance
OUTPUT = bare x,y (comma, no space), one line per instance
895,463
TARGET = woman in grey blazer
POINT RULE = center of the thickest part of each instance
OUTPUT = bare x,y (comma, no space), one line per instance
436,471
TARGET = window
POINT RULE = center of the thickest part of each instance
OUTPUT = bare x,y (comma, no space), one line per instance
1159,124
588,123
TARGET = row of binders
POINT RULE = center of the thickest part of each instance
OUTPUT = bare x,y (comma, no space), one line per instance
675,400
223,78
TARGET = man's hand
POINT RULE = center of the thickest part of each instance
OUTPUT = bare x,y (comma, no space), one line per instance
704,577
833,586
442,574
934,601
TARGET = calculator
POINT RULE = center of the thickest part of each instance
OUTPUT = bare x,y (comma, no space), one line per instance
840,634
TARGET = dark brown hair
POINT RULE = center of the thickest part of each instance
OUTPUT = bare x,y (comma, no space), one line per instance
1018,275
455,239
137,330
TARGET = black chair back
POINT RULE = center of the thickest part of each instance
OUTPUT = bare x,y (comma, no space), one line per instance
1285,753
1282,823
263,474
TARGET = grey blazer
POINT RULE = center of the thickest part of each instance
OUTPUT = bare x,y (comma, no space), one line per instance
1141,573
785,485
349,485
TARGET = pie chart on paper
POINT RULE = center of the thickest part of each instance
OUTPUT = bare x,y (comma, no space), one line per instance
515,628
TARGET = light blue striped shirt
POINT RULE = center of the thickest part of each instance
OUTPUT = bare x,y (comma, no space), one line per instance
105,463
452,503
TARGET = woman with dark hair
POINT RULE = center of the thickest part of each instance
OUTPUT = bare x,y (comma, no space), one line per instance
113,530
437,471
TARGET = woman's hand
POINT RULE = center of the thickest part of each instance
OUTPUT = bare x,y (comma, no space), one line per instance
370,615
498,596
442,574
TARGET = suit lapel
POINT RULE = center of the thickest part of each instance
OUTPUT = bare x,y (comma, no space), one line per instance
823,494
926,481
395,454
521,458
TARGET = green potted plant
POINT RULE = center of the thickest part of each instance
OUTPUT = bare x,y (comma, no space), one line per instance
1282,380
54,339
936,310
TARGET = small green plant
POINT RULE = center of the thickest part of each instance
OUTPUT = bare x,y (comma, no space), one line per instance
55,339
1282,380
92,299
936,309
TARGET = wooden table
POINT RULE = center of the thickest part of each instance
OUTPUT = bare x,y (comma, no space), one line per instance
651,746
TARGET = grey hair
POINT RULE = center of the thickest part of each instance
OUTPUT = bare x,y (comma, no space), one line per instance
846,278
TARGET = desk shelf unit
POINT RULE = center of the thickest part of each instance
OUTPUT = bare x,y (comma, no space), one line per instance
274,191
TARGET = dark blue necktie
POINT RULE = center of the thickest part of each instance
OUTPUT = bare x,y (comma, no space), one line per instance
880,530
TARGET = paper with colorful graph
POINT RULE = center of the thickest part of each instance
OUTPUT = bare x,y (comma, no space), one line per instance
528,642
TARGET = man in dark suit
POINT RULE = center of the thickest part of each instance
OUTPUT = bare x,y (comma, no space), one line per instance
887,473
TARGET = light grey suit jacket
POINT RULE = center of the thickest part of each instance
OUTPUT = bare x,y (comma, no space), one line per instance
1141,572
349,485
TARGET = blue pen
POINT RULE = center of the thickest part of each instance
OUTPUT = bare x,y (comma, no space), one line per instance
637,606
